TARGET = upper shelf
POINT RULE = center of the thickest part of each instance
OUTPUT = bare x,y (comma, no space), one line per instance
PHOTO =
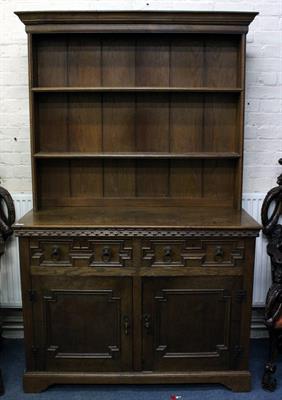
203,155
136,89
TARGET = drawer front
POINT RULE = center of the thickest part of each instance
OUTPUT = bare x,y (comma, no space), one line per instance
81,252
192,252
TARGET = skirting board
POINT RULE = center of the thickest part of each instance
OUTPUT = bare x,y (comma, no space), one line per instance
12,323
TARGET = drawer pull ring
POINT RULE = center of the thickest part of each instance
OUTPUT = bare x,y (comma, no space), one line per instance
147,323
56,253
218,254
126,325
167,254
106,254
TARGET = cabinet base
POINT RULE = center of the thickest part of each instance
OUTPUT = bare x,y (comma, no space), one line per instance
237,381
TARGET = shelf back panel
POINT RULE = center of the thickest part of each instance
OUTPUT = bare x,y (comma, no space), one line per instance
192,60
139,94
89,182
122,122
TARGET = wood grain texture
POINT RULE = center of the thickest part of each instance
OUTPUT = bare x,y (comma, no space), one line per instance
186,179
54,179
109,299
85,178
119,123
119,178
84,61
162,217
148,125
164,300
152,61
187,66
220,123
84,123
186,123
139,22
51,60
118,60
87,181
152,178
237,381
218,180
221,60
51,122
152,123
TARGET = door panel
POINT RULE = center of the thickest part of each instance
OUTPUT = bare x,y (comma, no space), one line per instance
83,324
187,323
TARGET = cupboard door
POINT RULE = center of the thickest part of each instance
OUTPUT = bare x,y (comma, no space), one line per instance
190,323
82,323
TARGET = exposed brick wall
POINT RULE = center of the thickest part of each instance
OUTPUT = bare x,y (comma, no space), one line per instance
263,123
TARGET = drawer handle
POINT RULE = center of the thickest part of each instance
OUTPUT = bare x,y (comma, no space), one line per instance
147,323
106,254
218,254
126,325
56,253
167,254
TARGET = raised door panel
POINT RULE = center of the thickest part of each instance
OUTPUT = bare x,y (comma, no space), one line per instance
189,323
82,325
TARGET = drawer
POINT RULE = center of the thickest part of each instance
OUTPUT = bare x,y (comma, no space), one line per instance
192,252
81,252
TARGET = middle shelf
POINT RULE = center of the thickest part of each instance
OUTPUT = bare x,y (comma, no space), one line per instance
135,89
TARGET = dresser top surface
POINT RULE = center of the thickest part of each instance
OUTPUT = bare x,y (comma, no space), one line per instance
133,217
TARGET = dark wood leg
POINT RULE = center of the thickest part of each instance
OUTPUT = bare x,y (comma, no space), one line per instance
2,391
242,384
269,382
35,385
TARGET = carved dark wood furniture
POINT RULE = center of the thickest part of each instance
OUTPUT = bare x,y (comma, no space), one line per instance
270,214
7,219
137,260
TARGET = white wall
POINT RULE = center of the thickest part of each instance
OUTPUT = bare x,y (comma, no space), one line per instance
263,133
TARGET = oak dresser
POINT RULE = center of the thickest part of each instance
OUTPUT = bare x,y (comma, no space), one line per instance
137,259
